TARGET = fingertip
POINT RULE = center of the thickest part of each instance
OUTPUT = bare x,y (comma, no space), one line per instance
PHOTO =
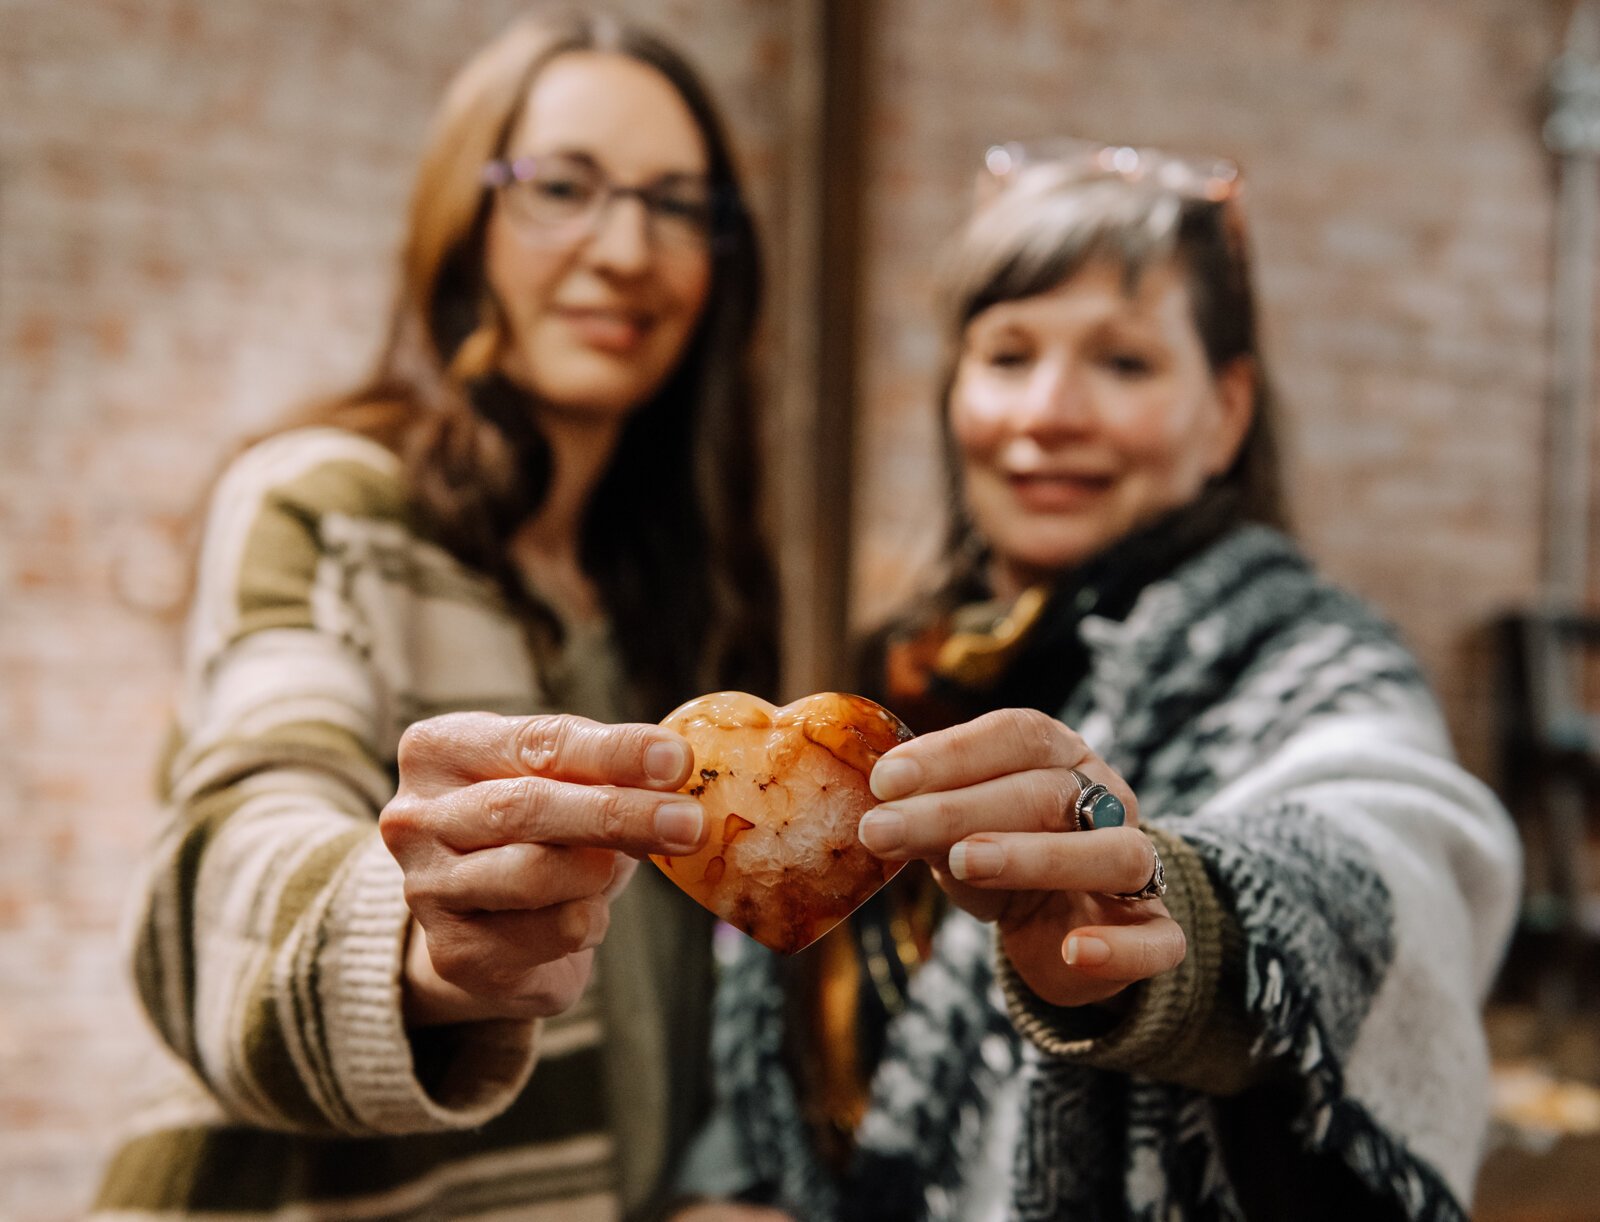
582,924
882,830
976,860
667,761
1084,950
680,826
894,777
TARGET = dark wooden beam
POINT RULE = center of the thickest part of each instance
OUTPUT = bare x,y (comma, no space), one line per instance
815,466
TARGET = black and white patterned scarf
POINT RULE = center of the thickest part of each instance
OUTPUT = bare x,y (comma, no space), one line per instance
1210,673
944,1056
1184,680
933,1092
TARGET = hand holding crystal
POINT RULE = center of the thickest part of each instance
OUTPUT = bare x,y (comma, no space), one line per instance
999,807
514,834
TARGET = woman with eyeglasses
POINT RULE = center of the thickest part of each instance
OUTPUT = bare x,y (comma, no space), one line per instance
414,764
1246,903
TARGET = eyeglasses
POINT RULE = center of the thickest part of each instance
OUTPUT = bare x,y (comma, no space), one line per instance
562,198
1214,179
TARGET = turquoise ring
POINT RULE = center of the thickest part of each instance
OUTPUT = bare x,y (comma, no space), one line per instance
1095,805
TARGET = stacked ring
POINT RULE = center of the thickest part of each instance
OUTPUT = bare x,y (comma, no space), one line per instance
1155,888
1095,805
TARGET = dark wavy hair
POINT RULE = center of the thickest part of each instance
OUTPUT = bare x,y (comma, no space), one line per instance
671,535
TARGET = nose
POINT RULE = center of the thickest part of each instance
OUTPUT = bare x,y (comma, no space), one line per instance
1058,400
620,241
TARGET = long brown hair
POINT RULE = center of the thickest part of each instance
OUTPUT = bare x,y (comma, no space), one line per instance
671,535
1039,233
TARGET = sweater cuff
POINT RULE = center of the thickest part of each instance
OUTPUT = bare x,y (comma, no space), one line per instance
370,1051
1186,1026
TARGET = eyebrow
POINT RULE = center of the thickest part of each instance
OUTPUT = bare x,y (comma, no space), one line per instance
588,159
999,328
1119,324
1129,320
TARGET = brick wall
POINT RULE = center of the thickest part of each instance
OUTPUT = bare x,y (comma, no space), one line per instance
199,204
1401,207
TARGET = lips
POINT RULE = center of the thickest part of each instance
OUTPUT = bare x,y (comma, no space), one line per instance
607,330
1057,492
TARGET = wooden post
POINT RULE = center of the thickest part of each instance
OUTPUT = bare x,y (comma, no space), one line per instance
814,466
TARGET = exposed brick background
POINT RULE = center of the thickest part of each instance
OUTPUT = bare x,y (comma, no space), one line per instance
199,200
1401,207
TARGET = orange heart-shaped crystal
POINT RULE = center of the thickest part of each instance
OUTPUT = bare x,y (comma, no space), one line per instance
783,791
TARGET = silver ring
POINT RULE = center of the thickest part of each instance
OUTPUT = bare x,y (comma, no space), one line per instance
1089,792
1155,888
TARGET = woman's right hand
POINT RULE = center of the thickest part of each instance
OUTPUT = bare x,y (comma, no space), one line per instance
514,834
990,804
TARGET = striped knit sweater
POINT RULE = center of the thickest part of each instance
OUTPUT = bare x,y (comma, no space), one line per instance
268,942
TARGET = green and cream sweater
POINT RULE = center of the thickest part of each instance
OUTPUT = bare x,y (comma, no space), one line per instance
268,942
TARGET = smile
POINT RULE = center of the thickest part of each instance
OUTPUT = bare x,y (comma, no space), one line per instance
1057,493
614,331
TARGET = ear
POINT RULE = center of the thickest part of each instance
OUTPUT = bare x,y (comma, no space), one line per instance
1235,385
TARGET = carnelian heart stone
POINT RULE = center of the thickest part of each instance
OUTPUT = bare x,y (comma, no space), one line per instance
783,792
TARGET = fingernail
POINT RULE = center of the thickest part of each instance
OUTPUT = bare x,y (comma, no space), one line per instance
1084,951
894,778
882,830
584,924
665,761
680,823
975,859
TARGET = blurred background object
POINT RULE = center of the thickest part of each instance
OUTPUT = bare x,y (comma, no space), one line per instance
1550,738
198,201
1544,1017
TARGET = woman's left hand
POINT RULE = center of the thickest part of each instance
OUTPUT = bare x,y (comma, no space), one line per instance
989,804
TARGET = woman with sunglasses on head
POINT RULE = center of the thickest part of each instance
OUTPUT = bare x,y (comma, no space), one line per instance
1246,903
413,768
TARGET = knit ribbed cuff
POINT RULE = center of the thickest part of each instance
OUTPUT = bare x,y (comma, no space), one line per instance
1185,1026
369,1049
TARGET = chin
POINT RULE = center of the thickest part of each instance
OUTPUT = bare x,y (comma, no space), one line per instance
587,383
594,397
1046,559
